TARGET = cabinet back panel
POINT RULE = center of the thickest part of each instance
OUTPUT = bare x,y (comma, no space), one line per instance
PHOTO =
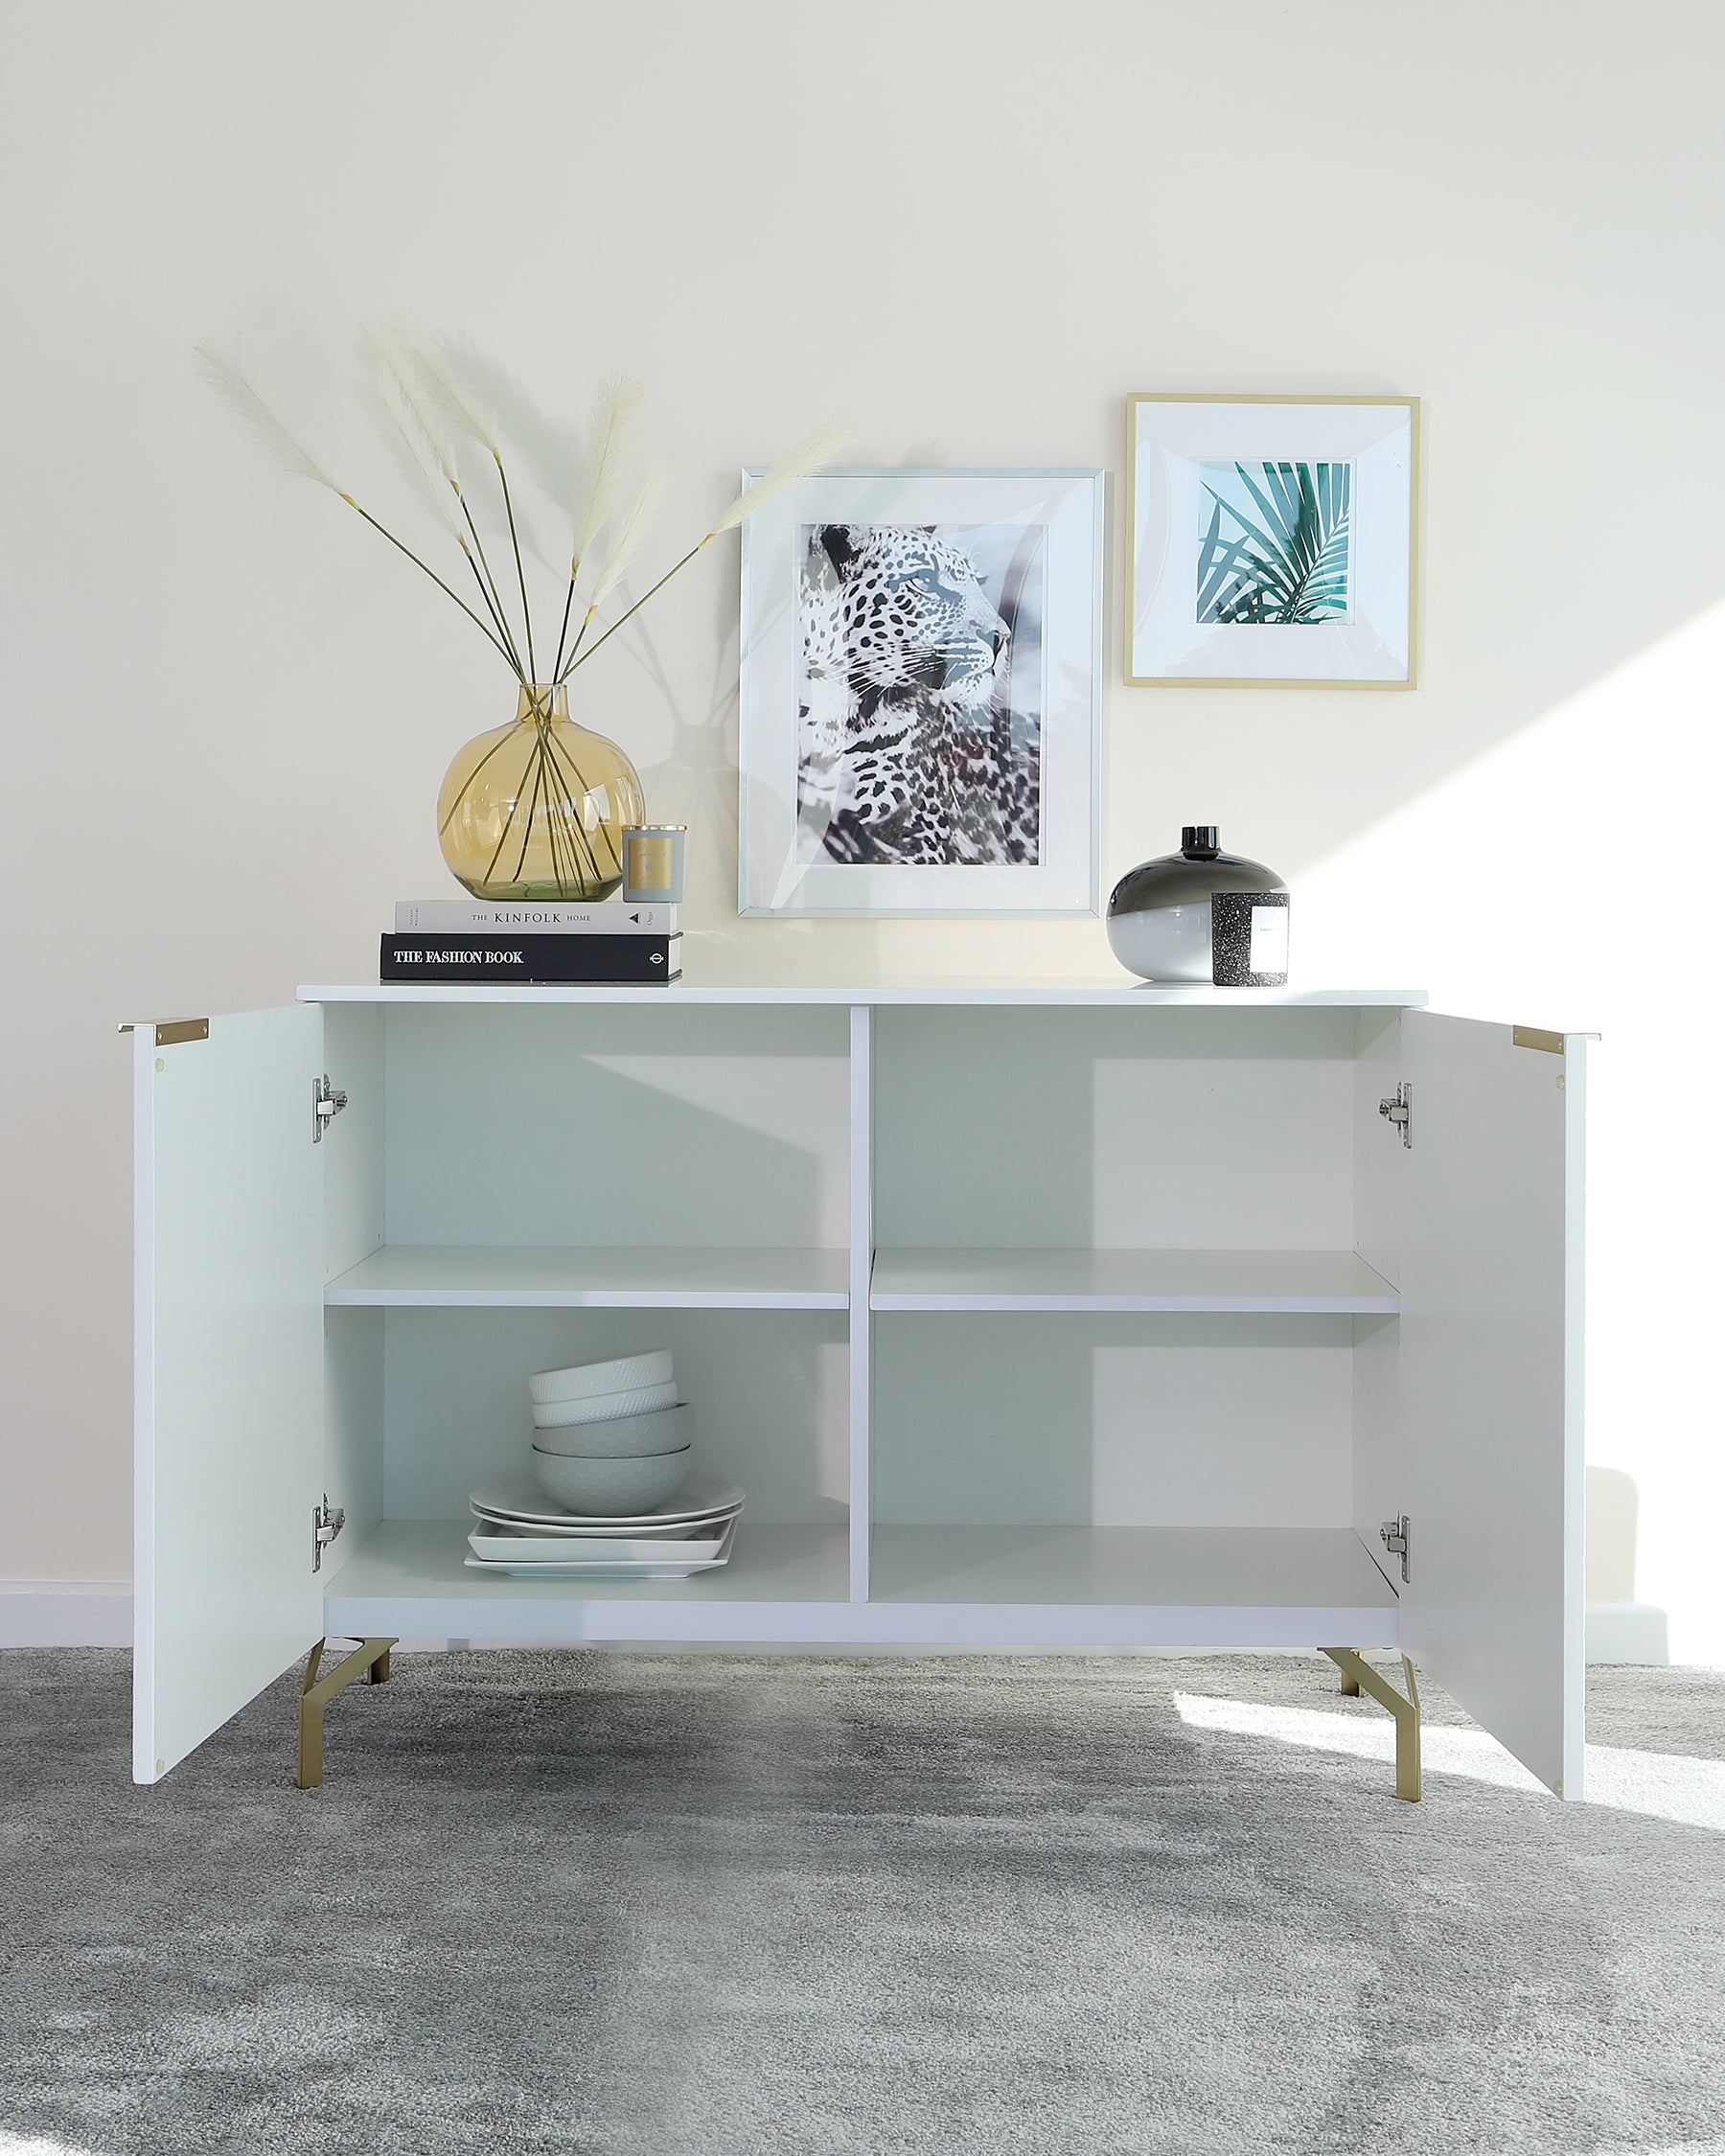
551,1125
768,1389
1115,1130
1111,1421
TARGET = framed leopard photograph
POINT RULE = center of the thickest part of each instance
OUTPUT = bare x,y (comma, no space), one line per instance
921,693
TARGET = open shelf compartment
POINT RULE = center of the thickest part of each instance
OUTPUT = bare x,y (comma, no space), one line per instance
409,1577
1258,1587
426,1403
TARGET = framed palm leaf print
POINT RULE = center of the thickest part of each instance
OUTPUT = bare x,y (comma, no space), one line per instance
1272,542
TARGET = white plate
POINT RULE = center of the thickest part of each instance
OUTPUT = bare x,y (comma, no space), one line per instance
576,1530
609,1568
500,1548
684,1571
542,1521
523,1502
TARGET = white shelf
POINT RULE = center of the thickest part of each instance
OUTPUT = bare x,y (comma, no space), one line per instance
469,1277
1112,993
1030,1587
1287,1586
409,1578
478,1277
1334,1282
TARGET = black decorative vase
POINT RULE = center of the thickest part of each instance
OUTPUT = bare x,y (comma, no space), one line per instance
1202,915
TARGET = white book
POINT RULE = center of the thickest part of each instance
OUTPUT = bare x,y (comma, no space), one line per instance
456,917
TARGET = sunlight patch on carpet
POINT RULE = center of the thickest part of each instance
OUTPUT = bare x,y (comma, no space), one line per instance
1661,1784
35,2144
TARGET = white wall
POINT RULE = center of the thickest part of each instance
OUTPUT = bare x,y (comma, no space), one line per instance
226,709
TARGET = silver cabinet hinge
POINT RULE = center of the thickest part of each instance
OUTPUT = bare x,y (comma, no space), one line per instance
1393,1535
1398,1108
327,1103
327,1523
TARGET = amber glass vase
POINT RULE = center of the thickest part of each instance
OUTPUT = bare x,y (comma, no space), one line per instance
536,810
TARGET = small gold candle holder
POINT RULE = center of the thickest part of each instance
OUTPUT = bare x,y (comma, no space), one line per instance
653,862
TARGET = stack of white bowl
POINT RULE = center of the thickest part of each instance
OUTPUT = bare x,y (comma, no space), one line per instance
610,1439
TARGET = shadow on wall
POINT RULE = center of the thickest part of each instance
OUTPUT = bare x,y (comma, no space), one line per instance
1619,1627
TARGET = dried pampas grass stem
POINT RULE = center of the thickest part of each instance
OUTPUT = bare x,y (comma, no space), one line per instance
632,528
808,455
475,413
424,452
425,392
414,423
240,390
402,547
235,383
614,411
452,382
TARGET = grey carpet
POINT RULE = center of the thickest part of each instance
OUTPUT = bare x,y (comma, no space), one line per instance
561,1902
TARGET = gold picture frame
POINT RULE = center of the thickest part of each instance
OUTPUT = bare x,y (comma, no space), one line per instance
1140,629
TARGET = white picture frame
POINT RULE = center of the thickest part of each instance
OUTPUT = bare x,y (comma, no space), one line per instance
1233,527
895,585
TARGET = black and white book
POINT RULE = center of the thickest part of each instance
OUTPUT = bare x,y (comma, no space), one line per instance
526,917
648,961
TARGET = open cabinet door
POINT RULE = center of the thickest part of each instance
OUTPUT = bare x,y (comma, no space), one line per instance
229,1376
1491,1379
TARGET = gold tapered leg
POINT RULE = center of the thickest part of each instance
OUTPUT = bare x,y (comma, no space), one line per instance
311,1729
1358,1675
370,1658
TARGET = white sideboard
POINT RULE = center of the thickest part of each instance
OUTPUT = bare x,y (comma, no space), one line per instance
1043,1317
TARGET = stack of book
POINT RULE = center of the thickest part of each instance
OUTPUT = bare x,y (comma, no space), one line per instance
449,940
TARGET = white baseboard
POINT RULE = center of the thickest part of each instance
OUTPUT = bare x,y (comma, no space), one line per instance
65,1612
1632,1632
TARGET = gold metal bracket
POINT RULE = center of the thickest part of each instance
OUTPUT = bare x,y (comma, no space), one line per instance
369,1659
169,1032
1358,1675
1537,1036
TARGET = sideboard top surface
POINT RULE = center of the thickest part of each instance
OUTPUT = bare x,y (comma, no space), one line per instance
1112,994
